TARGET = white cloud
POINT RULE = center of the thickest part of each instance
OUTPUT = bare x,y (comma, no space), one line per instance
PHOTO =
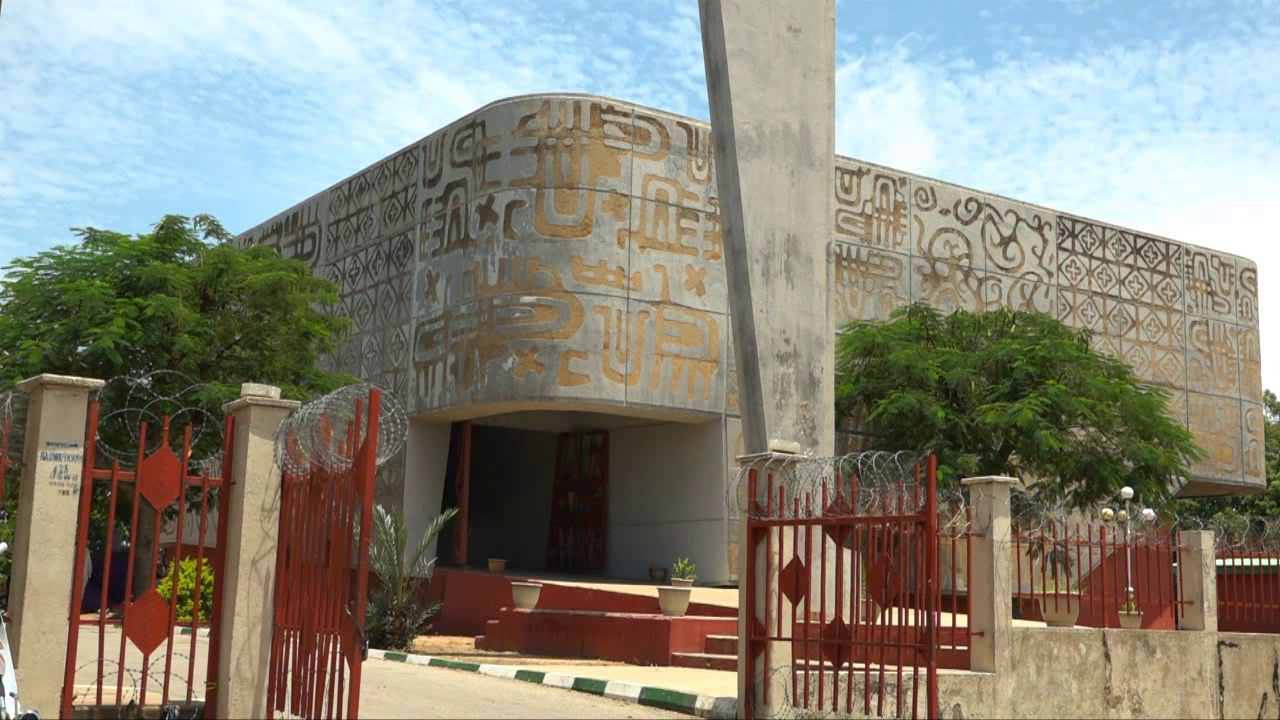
119,111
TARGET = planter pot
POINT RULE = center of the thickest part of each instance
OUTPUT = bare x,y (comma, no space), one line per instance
1061,612
1131,620
658,574
681,582
497,565
525,594
674,601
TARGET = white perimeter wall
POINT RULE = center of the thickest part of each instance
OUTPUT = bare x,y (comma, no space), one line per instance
666,499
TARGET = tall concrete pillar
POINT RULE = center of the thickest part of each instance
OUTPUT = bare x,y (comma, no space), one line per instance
1198,567
991,580
253,526
426,462
771,88
44,540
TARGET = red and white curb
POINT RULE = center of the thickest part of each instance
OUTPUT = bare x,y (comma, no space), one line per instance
706,706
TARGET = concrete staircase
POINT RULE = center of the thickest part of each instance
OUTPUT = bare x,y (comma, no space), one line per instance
720,652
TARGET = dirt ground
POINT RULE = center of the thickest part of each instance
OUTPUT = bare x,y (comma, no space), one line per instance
454,647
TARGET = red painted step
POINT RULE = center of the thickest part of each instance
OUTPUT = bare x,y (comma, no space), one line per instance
706,661
722,644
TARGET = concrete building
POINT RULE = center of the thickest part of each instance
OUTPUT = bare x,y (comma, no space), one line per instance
541,284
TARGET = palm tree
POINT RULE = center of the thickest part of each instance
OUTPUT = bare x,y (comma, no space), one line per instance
396,615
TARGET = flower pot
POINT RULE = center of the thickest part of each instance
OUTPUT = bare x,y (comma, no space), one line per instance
525,594
497,565
658,574
682,582
674,601
1061,610
1131,620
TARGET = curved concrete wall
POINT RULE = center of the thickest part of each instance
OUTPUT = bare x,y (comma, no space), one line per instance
565,251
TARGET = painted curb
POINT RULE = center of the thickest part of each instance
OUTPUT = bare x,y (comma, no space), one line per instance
705,706
204,632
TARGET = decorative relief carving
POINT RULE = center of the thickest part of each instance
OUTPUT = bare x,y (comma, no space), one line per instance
1211,284
946,226
1213,357
1019,240
1254,443
1017,293
871,206
868,284
1247,294
945,286
573,246
1216,425
1250,365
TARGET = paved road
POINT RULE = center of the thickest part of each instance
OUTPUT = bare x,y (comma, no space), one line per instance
398,690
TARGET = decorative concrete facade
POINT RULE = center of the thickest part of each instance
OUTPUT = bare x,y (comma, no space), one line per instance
564,252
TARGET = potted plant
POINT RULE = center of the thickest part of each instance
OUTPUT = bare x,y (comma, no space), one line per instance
1059,603
1059,600
658,574
674,599
1130,615
525,594
497,565
683,573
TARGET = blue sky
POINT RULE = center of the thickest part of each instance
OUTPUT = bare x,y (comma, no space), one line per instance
1162,115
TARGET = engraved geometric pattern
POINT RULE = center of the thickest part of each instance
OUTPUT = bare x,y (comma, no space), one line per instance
555,247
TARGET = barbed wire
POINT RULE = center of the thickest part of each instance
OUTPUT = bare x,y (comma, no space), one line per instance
127,401
13,415
314,435
858,483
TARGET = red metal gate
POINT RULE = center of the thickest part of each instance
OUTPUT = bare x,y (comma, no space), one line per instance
322,569
128,644
842,570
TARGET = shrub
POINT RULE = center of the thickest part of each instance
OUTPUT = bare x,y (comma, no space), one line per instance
186,578
395,616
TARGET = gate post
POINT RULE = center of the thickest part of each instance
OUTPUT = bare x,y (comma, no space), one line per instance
44,545
991,584
1198,570
253,525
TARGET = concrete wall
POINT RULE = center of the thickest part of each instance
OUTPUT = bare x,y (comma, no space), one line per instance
426,461
562,251
1089,673
660,511
512,472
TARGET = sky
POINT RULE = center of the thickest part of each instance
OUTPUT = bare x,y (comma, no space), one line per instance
1161,115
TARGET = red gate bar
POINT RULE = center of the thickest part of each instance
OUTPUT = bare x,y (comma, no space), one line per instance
881,628
161,479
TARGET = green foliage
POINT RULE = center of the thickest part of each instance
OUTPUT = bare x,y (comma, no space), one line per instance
395,615
183,298
1011,393
1236,510
186,577
682,569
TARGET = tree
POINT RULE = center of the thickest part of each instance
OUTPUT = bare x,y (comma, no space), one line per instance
181,298
396,613
1011,393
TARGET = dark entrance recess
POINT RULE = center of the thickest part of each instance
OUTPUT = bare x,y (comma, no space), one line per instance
580,503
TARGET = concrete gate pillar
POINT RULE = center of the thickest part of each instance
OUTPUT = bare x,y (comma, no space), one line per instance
44,542
991,582
252,534
1198,567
